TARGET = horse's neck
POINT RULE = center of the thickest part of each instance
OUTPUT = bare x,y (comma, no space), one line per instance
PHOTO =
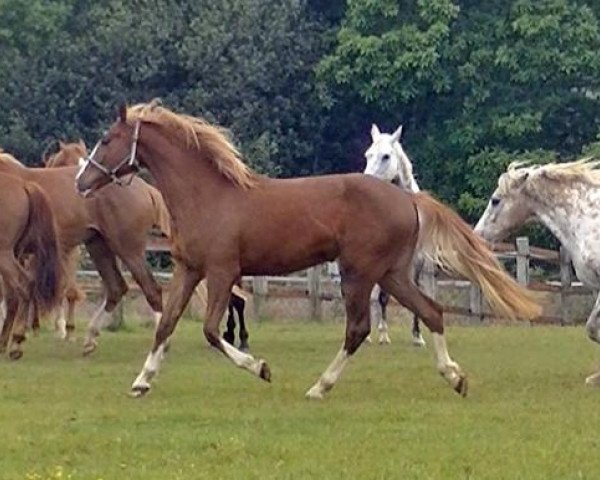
184,181
405,165
567,211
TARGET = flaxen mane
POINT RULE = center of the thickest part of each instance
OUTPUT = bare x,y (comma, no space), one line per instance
584,170
7,157
201,135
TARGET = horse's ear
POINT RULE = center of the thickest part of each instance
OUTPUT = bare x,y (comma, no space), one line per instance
122,113
397,134
61,144
375,132
82,144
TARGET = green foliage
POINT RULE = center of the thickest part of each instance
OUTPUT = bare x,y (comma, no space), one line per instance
470,82
246,64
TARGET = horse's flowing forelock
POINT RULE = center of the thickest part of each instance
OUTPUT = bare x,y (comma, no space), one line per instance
197,133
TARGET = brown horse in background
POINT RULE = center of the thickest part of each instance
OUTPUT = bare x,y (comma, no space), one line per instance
229,221
27,228
108,230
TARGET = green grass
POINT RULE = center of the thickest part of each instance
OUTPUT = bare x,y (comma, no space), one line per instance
528,414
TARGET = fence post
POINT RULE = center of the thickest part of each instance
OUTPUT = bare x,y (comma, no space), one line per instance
314,292
523,260
565,284
475,302
260,290
427,279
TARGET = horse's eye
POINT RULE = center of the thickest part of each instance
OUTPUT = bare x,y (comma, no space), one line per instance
495,201
385,157
105,141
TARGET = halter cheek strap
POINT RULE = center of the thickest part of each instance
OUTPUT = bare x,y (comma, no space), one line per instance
113,173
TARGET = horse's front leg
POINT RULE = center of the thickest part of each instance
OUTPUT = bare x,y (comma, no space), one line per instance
183,283
219,291
592,327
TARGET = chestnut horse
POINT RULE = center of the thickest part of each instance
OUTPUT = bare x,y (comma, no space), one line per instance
228,221
106,228
69,154
27,226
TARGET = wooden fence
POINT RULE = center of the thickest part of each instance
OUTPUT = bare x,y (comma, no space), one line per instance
321,284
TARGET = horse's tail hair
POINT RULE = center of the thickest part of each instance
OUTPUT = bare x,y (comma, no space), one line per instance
162,218
40,239
447,240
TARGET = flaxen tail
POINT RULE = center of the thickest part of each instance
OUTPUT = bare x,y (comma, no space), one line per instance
40,239
446,239
162,218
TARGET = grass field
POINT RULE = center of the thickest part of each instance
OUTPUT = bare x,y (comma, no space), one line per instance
391,416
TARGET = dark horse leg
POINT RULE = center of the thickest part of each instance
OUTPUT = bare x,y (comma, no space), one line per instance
417,338
403,289
114,285
239,304
383,300
183,283
229,334
357,292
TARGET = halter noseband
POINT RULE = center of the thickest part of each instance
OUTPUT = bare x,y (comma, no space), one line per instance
130,160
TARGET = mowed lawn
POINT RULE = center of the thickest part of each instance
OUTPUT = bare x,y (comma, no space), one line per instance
528,414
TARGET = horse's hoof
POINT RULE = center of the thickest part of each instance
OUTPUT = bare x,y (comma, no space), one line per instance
265,371
384,340
462,386
138,391
244,348
418,342
15,354
368,340
89,348
314,393
593,380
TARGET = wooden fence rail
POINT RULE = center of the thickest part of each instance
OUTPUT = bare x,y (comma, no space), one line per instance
321,283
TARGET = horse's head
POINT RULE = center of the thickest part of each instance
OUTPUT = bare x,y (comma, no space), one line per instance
113,156
69,154
386,159
508,207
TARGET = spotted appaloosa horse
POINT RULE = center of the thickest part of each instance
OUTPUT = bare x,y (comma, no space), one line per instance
387,160
27,227
229,221
565,198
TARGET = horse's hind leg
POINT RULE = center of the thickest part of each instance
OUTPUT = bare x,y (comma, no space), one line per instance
115,289
431,313
182,286
382,327
240,304
12,306
417,338
358,324
229,334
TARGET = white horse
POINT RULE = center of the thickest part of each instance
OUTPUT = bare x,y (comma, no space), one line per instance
565,198
387,160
